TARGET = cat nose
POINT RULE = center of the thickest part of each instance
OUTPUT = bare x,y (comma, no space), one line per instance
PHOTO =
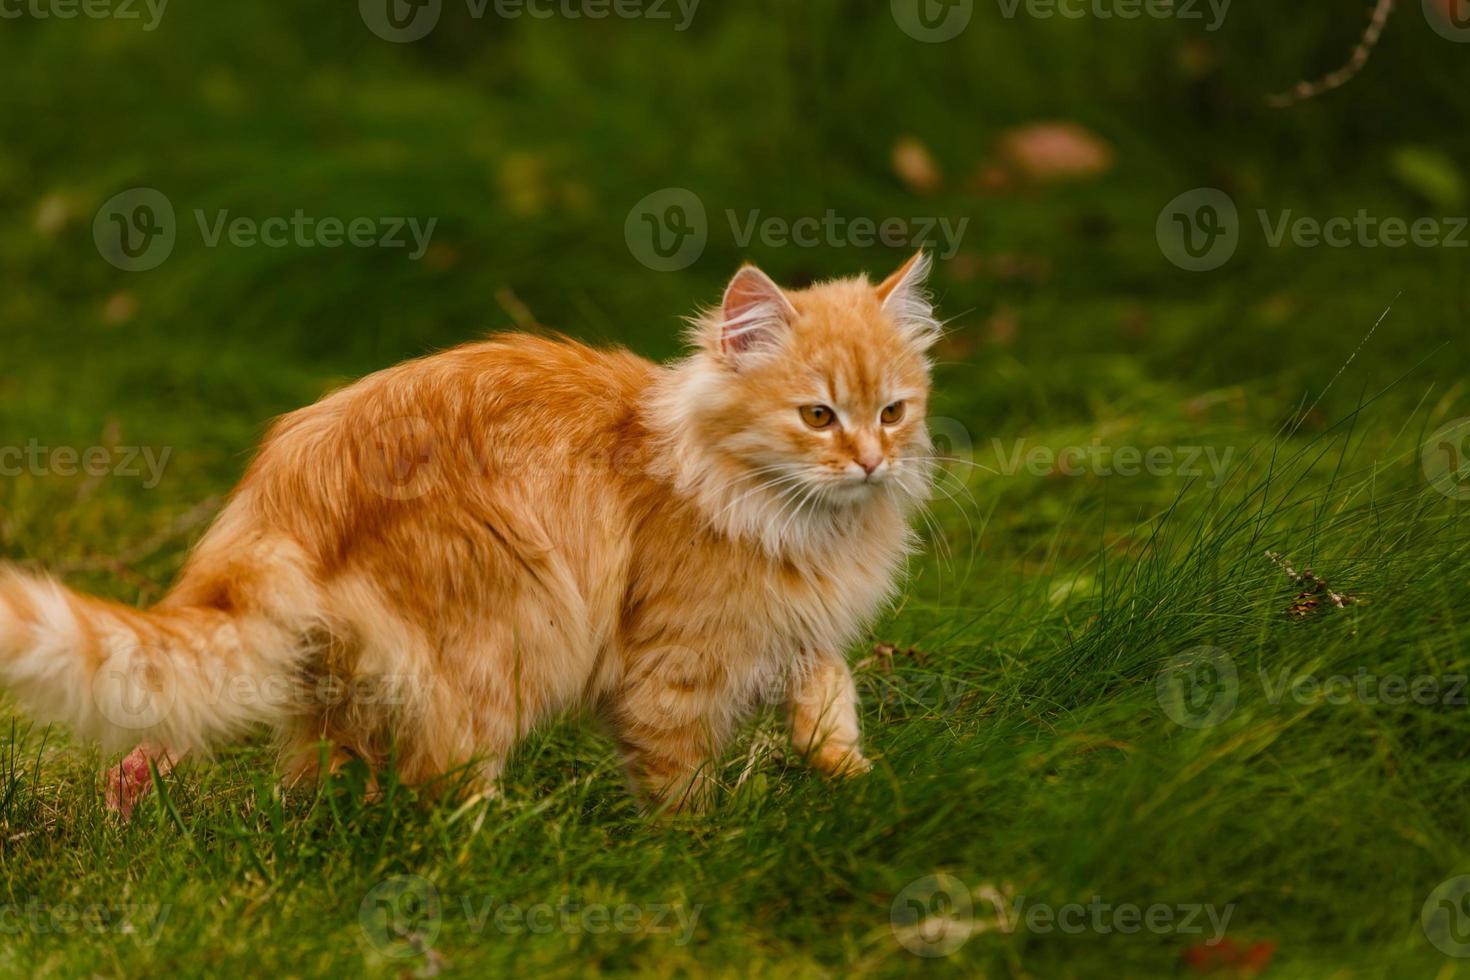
870,462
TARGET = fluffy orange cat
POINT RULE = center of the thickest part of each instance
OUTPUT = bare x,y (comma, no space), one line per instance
426,565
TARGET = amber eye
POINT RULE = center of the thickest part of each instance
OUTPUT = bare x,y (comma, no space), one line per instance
818,416
893,414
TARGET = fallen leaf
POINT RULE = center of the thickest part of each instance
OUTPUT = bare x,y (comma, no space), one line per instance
1304,606
1229,957
120,308
915,166
52,214
1055,151
1002,326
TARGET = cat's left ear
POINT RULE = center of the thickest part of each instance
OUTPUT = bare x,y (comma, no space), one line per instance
905,297
754,312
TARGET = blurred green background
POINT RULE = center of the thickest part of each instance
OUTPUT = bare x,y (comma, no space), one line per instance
529,142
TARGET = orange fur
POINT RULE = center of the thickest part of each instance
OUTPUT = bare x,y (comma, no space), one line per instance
440,557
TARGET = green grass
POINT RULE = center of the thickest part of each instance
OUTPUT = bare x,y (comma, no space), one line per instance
1023,748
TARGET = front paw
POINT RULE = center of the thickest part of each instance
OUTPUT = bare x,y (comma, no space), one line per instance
841,762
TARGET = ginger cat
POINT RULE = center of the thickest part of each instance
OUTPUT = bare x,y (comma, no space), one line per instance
448,552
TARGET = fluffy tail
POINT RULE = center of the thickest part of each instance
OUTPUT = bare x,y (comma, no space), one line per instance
223,653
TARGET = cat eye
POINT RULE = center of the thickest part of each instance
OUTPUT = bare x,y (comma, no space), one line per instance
893,414
818,416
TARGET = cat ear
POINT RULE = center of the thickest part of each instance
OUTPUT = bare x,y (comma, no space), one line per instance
754,311
905,297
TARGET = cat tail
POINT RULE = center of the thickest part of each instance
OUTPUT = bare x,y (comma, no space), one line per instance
221,654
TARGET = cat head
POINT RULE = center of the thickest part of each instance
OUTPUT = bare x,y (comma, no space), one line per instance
813,399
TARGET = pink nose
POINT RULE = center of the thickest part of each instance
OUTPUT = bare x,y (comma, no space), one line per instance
870,463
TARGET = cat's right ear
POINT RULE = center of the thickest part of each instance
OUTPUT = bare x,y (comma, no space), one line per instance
754,312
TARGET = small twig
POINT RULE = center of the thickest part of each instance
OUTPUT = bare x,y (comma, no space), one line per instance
1305,90
519,313
765,744
1284,565
1351,357
1311,586
883,657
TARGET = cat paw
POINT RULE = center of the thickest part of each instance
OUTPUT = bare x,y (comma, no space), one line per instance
130,780
842,763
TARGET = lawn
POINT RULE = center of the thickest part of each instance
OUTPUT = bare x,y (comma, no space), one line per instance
1176,684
